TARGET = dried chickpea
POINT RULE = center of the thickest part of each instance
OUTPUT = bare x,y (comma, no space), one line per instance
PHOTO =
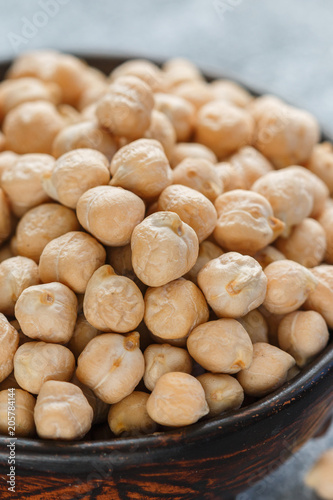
174,309
197,92
9,340
231,92
320,299
164,358
101,210
306,243
319,478
207,252
231,175
183,150
252,164
112,303
47,312
83,333
245,222
325,220
273,321
268,370
289,284
5,217
42,224
16,274
111,365
223,392
143,69
321,163
163,248
71,259
267,255
192,207
37,362
233,284
256,326
303,334
162,130
316,186
180,112
7,161
179,70
221,346
125,110
178,399
24,413
129,417
95,85
62,411
223,127
199,174
100,408
120,258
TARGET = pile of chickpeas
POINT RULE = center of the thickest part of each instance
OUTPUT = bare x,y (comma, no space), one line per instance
166,246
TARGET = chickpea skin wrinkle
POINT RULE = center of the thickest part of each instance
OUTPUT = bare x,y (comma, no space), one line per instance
24,413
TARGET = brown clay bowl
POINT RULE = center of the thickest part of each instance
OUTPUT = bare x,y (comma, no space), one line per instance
213,459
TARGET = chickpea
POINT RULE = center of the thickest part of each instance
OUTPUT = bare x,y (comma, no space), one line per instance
120,258
174,309
199,174
42,224
231,175
143,69
112,303
256,326
325,220
320,298
321,163
9,340
245,222
161,359
100,408
178,399
223,392
47,312
179,70
267,255
16,274
62,411
316,186
231,92
37,362
71,259
319,478
273,321
95,86
5,217
83,333
180,112
197,92
111,365
7,161
289,284
284,134
267,372
129,417
221,346
223,127
252,164
161,234
162,130
101,210
24,413
125,110
233,284
192,207
207,252
183,150
303,334
306,243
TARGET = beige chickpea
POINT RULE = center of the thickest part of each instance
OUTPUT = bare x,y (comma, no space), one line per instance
42,224
23,182
256,326
267,255
306,243
125,110
223,127
197,92
320,298
164,358
111,365
325,220
129,417
24,404
178,399
83,333
32,127
112,303
5,217
7,161
231,175
16,274
174,309
289,284
179,70
71,259
232,92
37,362
161,129
9,340
95,86
252,164
321,163
47,312
319,477
267,372
221,346
120,258
62,411
246,222
183,150
233,284
303,334
100,408
143,69
163,248
180,112
101,211
223,392
74,173
199,174
207,251
192,207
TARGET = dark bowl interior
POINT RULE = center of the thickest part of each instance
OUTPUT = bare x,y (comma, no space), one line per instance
216,458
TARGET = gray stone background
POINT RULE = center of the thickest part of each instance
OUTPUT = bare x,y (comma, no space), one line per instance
281,47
